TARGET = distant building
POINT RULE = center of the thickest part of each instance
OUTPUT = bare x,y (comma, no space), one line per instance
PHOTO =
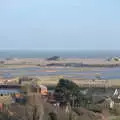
40,89
9,89
8,92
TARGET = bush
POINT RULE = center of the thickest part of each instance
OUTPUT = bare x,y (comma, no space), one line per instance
116,110
52,116
5,116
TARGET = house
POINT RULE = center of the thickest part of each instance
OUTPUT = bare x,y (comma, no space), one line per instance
8,92
42,89
116,96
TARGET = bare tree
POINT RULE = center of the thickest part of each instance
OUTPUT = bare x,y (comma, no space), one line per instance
32,110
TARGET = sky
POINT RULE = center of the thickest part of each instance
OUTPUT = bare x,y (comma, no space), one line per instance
60,24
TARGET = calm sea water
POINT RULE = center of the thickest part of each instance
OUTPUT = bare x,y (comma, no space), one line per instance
62,53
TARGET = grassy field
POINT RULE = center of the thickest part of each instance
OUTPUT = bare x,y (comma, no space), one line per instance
52,81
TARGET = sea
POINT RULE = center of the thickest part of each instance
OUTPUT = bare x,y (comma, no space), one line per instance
62,53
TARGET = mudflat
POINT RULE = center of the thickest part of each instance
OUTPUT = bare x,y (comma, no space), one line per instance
42,61
50,71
